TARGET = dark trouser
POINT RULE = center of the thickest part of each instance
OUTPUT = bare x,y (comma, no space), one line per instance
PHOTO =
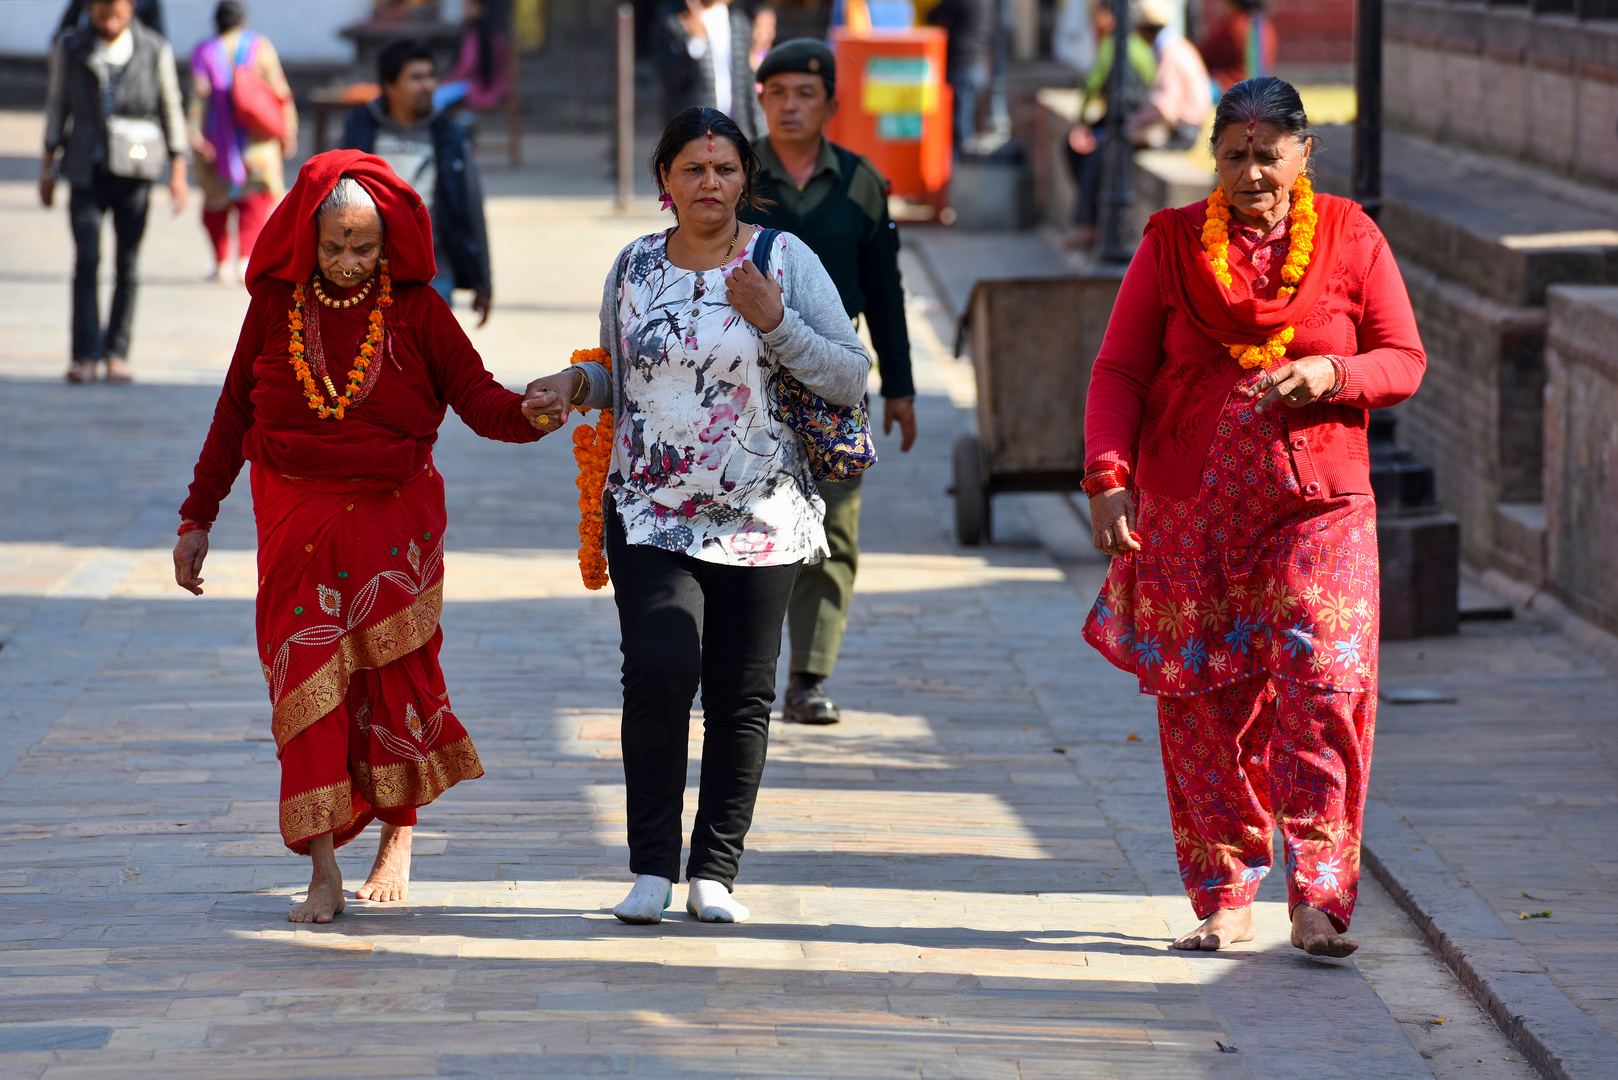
128,200
968,84
686,621
1086,170
818,614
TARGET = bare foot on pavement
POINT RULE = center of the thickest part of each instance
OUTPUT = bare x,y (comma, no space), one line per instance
1313,932
390,874
325,885
1224,927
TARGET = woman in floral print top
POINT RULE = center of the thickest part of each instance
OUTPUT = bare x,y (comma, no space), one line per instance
710,508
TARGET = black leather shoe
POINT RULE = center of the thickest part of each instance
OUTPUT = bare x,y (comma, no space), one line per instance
808,703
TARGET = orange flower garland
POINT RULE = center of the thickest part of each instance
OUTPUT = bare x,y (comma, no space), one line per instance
1300,246
356,374
592,449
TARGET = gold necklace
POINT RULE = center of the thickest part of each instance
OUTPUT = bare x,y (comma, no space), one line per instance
320,295
734,234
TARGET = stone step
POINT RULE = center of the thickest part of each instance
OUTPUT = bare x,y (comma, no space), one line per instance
1501,228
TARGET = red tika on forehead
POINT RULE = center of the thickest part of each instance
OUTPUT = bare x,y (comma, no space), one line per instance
710,142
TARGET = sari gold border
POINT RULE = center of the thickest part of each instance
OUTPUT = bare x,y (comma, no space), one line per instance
417,783
370,647
313,813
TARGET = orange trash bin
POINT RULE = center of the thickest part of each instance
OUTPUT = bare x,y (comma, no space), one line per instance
896,107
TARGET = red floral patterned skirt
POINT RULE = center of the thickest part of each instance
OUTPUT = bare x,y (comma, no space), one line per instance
351,577
1247,578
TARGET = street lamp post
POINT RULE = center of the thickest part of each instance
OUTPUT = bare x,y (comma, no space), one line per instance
1120,158
1368,106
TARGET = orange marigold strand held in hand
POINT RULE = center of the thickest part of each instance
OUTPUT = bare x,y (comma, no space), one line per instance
1300,246
356,375
592,449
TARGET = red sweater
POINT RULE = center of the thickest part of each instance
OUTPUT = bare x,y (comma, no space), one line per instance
1159,383
426,363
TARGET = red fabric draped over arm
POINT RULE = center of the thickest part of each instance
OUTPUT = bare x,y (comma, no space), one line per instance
1391,360
221,459
466,385
1130,355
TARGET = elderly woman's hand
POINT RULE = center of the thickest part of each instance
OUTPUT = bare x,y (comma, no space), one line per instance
189,552
755,297
549,401
1295,384
1112,520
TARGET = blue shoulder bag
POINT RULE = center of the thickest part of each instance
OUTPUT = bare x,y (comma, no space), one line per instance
836,437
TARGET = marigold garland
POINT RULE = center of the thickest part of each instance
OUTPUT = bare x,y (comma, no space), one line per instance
1300,246
356,374
592,449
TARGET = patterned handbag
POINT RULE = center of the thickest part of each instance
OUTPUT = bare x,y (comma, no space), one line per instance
837,438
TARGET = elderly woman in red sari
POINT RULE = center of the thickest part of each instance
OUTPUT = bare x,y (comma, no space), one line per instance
1229,478
346,362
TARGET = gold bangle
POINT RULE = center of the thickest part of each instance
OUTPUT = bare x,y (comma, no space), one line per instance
583,389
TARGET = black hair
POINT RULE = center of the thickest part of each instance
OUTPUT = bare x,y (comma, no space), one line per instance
1262,100
229,15
695,123
394,58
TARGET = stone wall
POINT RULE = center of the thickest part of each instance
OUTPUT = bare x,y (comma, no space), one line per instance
1476,419
1524,83
1581,444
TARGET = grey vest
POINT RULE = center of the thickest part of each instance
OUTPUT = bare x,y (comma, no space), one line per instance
138,94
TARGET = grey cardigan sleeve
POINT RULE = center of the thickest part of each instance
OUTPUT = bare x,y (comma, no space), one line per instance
601,394
816,340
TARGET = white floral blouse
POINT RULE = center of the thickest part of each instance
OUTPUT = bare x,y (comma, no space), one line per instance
700,464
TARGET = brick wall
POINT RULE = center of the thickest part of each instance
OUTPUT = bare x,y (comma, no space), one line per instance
1504,79
1581,437
1476,419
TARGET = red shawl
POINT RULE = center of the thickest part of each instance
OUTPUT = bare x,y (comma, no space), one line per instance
286,247
1222,314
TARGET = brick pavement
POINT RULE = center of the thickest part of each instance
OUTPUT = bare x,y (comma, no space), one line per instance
935,891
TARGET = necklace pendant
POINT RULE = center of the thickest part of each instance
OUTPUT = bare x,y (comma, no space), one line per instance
330,389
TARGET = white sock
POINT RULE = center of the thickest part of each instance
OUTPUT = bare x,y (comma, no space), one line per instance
712,902
646,901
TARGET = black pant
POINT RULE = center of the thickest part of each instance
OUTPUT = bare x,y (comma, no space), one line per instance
686,621
128,200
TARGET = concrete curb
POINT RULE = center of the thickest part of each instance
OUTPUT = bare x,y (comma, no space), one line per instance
1556,1036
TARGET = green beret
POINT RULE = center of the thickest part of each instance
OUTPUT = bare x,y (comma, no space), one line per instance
806,55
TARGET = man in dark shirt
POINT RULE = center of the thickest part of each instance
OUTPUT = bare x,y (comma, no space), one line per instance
836,202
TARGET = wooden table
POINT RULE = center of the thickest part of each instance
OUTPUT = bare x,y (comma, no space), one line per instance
328,98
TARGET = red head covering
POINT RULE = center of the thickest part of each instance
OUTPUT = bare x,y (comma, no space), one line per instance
286,247
1224,316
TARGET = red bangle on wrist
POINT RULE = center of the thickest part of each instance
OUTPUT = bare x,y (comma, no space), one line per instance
1341,370
193,526
1103,478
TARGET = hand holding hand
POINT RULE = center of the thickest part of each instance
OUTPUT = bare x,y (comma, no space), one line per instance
901,411
189,552
548,402
754,296
1295,384
1112,520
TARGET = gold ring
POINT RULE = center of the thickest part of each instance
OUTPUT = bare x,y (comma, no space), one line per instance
542,420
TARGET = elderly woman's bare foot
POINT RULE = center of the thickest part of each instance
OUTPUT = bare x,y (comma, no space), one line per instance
390,874
1313,932
1224,927
325,885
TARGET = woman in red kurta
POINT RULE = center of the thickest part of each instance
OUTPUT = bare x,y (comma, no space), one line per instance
1243,591
346,363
